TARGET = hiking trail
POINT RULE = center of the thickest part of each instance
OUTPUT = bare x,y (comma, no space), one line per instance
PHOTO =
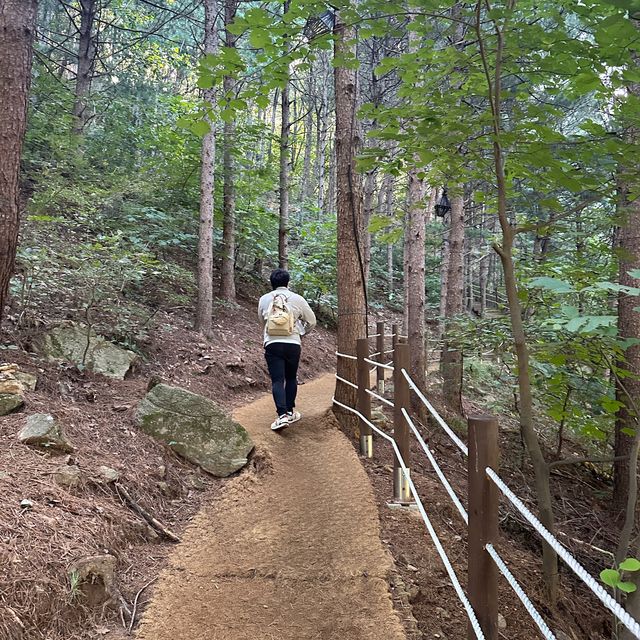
290,550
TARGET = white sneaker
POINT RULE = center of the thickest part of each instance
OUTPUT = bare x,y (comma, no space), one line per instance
280,422
294,416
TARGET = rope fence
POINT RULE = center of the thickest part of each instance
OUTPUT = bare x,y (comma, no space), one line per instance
484,488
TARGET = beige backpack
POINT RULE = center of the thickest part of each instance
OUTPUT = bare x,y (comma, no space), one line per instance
280,320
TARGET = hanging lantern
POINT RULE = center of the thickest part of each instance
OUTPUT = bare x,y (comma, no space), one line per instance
320,25
443,206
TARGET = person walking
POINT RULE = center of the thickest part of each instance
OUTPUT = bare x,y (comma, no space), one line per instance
284,316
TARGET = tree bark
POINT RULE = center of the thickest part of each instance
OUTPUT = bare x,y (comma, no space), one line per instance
285,157
227,265
368,199
415,277
204,309
86,61
451,356
17,31
323,127
351,286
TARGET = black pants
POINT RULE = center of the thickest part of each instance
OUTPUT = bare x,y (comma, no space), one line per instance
283,359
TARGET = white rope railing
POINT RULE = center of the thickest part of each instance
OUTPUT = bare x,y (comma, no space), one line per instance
379,397
373,355
432,532
599,591
519,591
436,467
347,382
461,445
345,355
606,599
374,335
378,364
502,567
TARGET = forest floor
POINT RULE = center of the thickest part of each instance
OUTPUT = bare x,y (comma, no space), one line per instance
289,551
37,545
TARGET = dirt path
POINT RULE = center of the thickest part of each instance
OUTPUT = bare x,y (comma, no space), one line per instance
289,552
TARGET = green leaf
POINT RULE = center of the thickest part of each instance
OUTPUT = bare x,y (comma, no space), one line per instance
610,577
627,587
200,128
630,564
552,284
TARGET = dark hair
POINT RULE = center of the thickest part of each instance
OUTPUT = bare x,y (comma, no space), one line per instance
279,278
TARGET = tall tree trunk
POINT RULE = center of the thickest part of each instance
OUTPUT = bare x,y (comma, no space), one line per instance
452,356
415,277
368,198
204,309
444,275
86,63
323,127
274,113
285,156
17,30
227,266
505,251
351,286
306,186
387,190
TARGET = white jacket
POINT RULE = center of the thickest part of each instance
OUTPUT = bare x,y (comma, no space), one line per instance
302,312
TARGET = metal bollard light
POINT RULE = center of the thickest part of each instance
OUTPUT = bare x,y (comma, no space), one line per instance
364,400
401,489
381,357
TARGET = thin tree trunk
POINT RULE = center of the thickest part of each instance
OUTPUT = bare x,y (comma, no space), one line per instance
452,356
387,189
17,31
369,192
227,266
505,251
285,157
323,127
274,113
204,309
351,286
86,62
415,277
306,179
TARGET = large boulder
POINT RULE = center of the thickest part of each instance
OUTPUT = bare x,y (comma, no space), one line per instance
196,428
43,430
82,347
13,384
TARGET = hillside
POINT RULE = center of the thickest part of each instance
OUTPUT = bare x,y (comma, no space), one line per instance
41,542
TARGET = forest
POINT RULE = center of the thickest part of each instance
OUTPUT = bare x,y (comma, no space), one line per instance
468,170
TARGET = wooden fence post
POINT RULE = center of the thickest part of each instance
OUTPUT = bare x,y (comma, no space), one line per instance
382,357
364,399
401,399
395,332
483,524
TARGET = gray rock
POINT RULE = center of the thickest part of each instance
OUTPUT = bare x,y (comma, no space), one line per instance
68,475
107,474
43,430
81,346
502,623
28,380
10,402
195,428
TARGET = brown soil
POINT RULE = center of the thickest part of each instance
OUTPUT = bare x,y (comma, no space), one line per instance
38,545
289,551
422,580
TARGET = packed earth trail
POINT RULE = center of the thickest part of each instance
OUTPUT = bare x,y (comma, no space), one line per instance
291,550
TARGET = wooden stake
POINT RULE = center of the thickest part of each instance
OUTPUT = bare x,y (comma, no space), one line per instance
483,524
382,357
